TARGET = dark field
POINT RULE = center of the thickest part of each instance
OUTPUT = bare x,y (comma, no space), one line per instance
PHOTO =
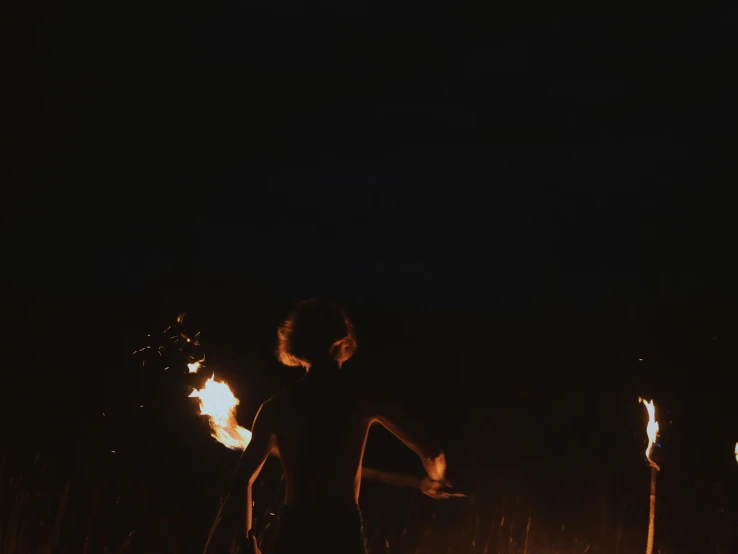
539,415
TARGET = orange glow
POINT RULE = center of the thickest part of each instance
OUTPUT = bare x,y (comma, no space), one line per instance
218,403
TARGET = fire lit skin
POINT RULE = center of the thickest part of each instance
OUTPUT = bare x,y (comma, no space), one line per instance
318,429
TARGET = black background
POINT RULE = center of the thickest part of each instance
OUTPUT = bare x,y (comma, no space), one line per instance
527,212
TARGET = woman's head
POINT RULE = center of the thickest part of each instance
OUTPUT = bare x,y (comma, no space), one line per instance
316,331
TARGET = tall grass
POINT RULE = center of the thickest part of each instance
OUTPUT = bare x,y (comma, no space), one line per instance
30,521
35,517
38,516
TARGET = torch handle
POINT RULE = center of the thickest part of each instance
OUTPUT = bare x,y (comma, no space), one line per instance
651,511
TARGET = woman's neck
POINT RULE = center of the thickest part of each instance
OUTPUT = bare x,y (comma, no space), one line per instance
323,368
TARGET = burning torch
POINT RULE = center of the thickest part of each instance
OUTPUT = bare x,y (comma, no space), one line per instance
652,430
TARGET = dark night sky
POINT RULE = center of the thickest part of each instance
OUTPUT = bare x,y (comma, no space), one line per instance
472,160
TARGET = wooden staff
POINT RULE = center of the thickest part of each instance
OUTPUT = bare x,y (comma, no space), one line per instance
652,509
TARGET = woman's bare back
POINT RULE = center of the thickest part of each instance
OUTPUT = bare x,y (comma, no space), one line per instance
320,431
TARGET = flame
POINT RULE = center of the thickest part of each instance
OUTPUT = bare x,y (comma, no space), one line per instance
652,429
736,452
218,402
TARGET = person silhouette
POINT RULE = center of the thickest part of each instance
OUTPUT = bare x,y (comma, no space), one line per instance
318,428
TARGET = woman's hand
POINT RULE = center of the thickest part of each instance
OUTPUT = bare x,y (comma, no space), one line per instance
437,489
436,467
